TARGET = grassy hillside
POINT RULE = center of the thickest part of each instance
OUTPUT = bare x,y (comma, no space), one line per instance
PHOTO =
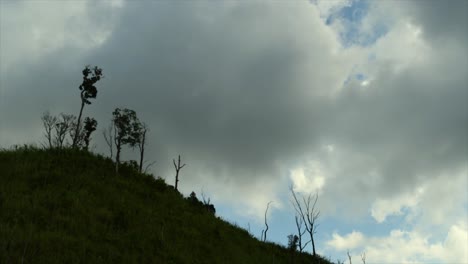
66,206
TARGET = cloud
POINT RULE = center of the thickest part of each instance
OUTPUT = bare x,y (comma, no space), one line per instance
382,208
237,91
404,247
350,241
256,95
45,30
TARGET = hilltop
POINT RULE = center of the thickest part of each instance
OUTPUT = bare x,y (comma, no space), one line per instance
69,206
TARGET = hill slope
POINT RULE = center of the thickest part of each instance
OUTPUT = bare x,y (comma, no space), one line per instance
66,206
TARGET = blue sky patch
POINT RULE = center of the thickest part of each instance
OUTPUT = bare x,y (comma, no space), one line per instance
351,17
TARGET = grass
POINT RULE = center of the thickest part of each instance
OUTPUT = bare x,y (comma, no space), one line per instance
69,206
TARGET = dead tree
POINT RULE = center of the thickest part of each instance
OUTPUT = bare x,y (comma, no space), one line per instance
349,257
63,128
363,257
264,232
177,167
49,122
308,213
300,232
109,135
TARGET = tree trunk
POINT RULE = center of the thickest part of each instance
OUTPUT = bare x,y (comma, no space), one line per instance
78,124
177,167
176,180
313,244
142,150
142,153
117,156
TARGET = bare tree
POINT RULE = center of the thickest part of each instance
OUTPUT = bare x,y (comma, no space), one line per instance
363,257
205,200
308,213
62,129
109,138
49,122
300,232
148,166
88,91
349,257
207,203
177,167
264,232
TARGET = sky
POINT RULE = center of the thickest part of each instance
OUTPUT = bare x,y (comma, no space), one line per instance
363,102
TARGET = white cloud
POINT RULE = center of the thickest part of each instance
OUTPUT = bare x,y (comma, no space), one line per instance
404,247
308,179
382,208
31,30
456,244
348,242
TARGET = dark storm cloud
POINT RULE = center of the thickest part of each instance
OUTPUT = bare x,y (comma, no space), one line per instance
442,20
244,91
221,87
412,124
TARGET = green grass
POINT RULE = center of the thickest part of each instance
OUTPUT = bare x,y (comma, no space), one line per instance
68,206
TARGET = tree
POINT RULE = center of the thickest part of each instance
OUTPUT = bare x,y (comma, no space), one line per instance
293,242
90,125
139,134
363,257
124,124
82,136
207,204
57,128
49,122
109,134
62,128
177,167
193,197
264,232
308,213
88,91
300,232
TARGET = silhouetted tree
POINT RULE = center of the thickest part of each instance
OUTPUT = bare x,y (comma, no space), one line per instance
204,204
264,232
292,242
300,232
124,123
139,135
207,204
90,125
308,213
142,143
109,135
130,164
193,197
63,128
88,91
177,167
83,135
49,122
